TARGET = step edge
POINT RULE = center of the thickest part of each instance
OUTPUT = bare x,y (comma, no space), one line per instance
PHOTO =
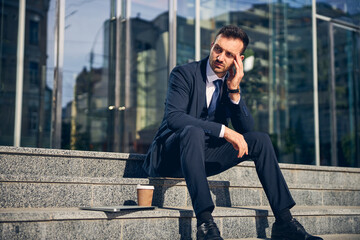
141,157
63,214
40,179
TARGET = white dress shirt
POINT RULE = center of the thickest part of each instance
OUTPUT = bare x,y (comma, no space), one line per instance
210,89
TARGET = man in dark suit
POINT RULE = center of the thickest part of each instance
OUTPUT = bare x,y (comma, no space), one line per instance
194,141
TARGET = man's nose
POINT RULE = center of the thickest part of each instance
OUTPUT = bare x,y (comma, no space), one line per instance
220,57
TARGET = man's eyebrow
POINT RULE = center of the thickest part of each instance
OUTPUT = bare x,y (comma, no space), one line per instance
231,53
217,45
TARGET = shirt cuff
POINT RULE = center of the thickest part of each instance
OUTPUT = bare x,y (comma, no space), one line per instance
237,102
222,131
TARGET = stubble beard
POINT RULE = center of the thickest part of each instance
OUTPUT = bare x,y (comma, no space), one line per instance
218,70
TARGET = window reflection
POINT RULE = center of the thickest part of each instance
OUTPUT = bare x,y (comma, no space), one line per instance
35,126
278,85
185,39
115,72
85,75
92,118
144,73
338,95
343,10
8,49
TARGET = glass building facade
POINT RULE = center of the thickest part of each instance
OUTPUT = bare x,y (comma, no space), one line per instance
92,74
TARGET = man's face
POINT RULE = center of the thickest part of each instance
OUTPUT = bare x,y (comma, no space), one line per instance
222,54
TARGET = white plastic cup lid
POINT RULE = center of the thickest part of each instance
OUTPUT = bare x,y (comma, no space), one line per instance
145,187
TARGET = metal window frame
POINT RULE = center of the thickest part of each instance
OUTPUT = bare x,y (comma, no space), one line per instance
56,108
197,31
315,85
172,33
19,73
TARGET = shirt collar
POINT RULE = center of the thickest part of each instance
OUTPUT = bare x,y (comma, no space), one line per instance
211,76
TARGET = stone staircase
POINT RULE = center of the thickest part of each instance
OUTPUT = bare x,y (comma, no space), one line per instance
42,191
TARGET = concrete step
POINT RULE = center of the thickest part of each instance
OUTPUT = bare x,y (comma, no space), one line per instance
168,223
29,163
38,178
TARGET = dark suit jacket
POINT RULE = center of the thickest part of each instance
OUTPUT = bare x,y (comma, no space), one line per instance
186,97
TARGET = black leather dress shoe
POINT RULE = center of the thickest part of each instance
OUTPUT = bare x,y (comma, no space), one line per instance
292,230
208,231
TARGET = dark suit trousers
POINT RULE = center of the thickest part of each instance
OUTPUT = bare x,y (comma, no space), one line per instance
191,154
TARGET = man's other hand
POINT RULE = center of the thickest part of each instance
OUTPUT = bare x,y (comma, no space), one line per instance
237,140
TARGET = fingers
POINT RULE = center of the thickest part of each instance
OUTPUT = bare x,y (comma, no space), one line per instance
231,72
237,141
236,77
239,66
239,62
243,149
241,146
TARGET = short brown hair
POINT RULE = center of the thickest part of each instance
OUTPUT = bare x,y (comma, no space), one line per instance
232,31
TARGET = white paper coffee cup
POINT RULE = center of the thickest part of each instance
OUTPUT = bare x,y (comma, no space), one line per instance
145,195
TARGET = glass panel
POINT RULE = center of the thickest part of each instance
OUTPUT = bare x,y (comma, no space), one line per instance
185,32
36,114
38,67
144,73
35,129
8,47
85,75
343,10
339,93
277,86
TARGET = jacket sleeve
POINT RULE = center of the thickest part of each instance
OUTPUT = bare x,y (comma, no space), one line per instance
241,118
180,96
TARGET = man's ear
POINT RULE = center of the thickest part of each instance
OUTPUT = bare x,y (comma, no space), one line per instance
242,57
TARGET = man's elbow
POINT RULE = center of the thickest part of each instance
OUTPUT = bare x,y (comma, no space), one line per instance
250,127
244,127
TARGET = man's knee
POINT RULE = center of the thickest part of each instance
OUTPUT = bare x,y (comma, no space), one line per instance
263,138
192,145
258,139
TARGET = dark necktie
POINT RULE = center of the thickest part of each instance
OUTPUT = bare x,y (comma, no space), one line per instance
215,97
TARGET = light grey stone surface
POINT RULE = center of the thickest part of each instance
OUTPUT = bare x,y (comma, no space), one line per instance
53,162
307,198
63,230
166,228
114,195
100,191
30,195
34,181
236,227
175,196
246,196
175,223
341,198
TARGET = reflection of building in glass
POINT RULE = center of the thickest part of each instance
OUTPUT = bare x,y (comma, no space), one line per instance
278,88
36,106
87,120
339,100
144,96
